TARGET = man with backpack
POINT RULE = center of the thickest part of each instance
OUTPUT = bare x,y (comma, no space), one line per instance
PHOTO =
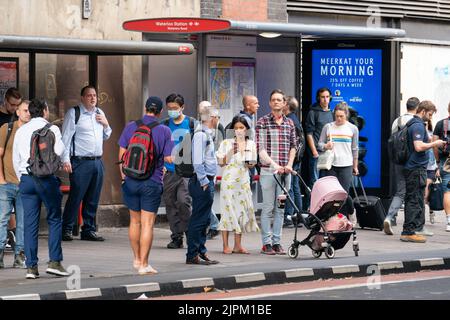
11,102
9,187
441,131
36,158
399,196
176,195
144,147
85,128
290,111
415,172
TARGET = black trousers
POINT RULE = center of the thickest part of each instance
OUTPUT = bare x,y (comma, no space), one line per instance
415,180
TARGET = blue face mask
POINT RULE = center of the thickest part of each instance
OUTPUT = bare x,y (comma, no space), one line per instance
173,114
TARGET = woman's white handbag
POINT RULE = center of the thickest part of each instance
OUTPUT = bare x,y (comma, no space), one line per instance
325,160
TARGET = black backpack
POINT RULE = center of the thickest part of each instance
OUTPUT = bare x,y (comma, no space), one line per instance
398,145
301,144
43,161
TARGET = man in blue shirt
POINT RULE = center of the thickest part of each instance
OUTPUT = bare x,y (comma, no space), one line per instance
85,128
176,195
201,188
415,172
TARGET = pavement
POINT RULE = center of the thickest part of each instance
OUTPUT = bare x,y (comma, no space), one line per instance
103,270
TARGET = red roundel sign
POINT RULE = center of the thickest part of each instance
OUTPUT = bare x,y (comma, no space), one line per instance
176,25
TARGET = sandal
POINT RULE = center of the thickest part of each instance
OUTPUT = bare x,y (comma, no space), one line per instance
147,270
241,251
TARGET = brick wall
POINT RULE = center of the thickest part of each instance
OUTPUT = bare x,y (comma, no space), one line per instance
245,10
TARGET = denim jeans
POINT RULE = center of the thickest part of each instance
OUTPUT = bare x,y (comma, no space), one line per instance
9,199
414,200
33,194
270,191
214,224
313,171
399,196
294,193
202,201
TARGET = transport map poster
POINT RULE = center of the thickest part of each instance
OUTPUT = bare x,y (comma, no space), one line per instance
354,76
9,71
229,82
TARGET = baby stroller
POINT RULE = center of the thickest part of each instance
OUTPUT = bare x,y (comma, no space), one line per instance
327,198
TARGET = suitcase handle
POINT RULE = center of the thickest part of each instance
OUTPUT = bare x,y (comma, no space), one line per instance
362,187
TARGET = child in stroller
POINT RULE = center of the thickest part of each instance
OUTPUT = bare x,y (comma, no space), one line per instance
330,230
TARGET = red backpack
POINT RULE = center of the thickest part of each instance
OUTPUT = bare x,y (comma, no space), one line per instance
140,158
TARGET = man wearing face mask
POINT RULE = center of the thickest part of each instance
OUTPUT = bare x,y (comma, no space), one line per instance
176,195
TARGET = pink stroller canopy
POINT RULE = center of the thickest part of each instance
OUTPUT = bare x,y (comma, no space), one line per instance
326,189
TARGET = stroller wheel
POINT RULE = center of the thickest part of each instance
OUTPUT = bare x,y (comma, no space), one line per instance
329,252
316,254
293,251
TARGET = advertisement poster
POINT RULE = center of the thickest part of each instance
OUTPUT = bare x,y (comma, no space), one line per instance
229,82
8,75
354,77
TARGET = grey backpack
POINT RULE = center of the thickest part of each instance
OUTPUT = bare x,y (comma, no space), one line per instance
43,160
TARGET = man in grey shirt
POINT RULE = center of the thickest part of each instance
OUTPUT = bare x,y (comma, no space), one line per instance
399,196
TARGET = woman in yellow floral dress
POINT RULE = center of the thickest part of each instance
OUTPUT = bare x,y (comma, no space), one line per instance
236,155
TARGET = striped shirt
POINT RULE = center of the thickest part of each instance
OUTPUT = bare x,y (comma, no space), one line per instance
345,142
277,140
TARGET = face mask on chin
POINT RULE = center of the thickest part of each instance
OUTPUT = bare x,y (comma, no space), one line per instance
173,114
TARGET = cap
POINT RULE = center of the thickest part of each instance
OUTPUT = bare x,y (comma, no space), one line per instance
154,102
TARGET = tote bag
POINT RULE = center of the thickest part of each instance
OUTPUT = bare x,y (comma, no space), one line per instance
325,160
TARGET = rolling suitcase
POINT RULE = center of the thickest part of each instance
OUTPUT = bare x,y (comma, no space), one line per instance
370,212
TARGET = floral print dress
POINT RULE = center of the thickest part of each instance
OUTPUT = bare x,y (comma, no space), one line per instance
236,204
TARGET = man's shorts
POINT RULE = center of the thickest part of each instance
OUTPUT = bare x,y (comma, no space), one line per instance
142,194
445,178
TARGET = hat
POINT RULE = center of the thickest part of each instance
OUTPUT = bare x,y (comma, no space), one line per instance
154,102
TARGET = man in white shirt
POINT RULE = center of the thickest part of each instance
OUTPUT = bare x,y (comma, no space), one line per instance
34,191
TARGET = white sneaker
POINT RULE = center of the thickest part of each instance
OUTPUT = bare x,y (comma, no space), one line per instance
424,232
448,228
387,227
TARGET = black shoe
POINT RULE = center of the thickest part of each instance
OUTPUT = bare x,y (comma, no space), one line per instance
205,257
91,236
175,244
288,224
212,234
196,260
67,236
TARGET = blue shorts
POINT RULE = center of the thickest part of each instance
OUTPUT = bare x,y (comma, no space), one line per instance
445,179
142,195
